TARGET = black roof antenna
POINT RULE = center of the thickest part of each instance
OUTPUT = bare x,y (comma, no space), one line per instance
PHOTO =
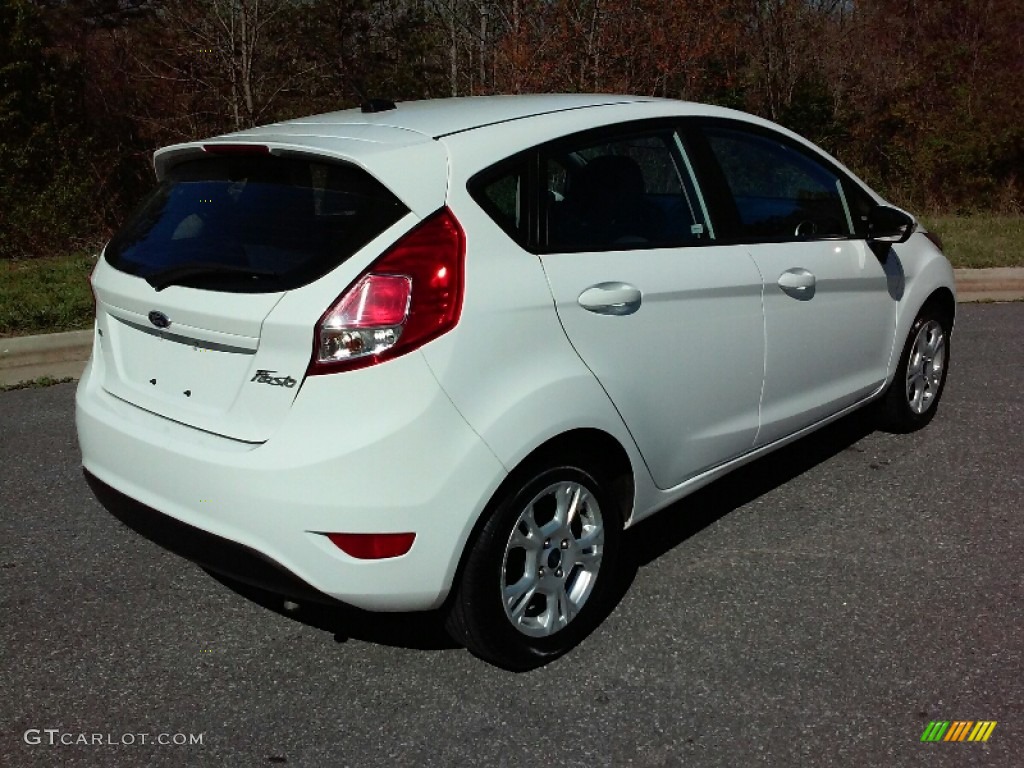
368,105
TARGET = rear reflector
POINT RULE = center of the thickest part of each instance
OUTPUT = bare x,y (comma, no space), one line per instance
373,546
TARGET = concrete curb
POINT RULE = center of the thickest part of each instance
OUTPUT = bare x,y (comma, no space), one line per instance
59,355
997,284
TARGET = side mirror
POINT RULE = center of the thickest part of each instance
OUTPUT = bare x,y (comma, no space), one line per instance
889,225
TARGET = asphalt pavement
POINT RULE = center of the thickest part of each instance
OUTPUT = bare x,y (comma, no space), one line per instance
818,608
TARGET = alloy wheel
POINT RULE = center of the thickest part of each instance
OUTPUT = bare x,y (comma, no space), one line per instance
552,559
925,367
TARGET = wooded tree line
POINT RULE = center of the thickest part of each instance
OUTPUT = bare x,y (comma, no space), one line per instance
923,98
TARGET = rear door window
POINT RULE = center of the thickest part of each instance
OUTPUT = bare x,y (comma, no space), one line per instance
619,193
252,224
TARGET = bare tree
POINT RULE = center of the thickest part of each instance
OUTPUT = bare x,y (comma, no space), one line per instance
228,48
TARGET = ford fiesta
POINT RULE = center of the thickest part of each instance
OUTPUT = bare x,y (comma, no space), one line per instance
438,355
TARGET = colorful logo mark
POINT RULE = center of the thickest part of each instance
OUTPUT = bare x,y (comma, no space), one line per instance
958,730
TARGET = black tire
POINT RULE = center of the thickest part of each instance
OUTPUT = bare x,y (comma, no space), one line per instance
477,616
907,408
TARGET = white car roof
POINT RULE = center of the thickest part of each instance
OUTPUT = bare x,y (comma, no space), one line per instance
441,117
389,142
409,123
420,134
412,122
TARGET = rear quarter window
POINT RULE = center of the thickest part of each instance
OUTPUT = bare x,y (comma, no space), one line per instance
253,224
502,191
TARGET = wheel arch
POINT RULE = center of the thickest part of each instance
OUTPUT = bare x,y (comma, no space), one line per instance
929,282
942,300
598,450
899,411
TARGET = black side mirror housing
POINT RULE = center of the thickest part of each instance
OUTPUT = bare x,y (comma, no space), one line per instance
889,225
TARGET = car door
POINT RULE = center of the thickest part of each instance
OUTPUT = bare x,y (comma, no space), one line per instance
829,316
668,321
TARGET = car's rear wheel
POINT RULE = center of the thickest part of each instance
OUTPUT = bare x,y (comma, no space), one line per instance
539,575
913,397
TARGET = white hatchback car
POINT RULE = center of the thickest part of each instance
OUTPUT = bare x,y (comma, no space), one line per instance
439,354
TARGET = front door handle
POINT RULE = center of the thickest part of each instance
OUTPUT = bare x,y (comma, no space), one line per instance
611,299
798,283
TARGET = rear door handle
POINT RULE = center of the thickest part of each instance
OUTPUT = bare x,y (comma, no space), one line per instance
798,283
611,299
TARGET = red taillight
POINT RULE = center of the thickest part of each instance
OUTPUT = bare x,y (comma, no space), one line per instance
410,295
373,546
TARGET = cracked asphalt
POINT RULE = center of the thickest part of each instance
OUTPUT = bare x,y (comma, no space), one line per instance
817,608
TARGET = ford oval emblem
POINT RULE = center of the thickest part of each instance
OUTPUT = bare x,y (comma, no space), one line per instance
159,319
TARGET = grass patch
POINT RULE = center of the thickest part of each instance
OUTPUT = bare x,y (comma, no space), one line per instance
45,295
42,381
982,240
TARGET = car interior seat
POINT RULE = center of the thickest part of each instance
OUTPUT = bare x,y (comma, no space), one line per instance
607,196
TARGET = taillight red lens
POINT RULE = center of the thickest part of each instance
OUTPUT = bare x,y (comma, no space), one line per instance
373,546
409,296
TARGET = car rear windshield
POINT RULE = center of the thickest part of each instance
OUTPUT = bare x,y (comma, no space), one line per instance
252,224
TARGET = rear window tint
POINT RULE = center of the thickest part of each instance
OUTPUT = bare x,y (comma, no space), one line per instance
253,224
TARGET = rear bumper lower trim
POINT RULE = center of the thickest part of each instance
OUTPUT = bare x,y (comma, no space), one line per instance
214,553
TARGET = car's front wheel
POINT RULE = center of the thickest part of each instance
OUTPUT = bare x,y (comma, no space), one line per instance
541,570
913,397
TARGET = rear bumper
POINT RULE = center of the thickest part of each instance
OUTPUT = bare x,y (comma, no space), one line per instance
223,556
404,460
